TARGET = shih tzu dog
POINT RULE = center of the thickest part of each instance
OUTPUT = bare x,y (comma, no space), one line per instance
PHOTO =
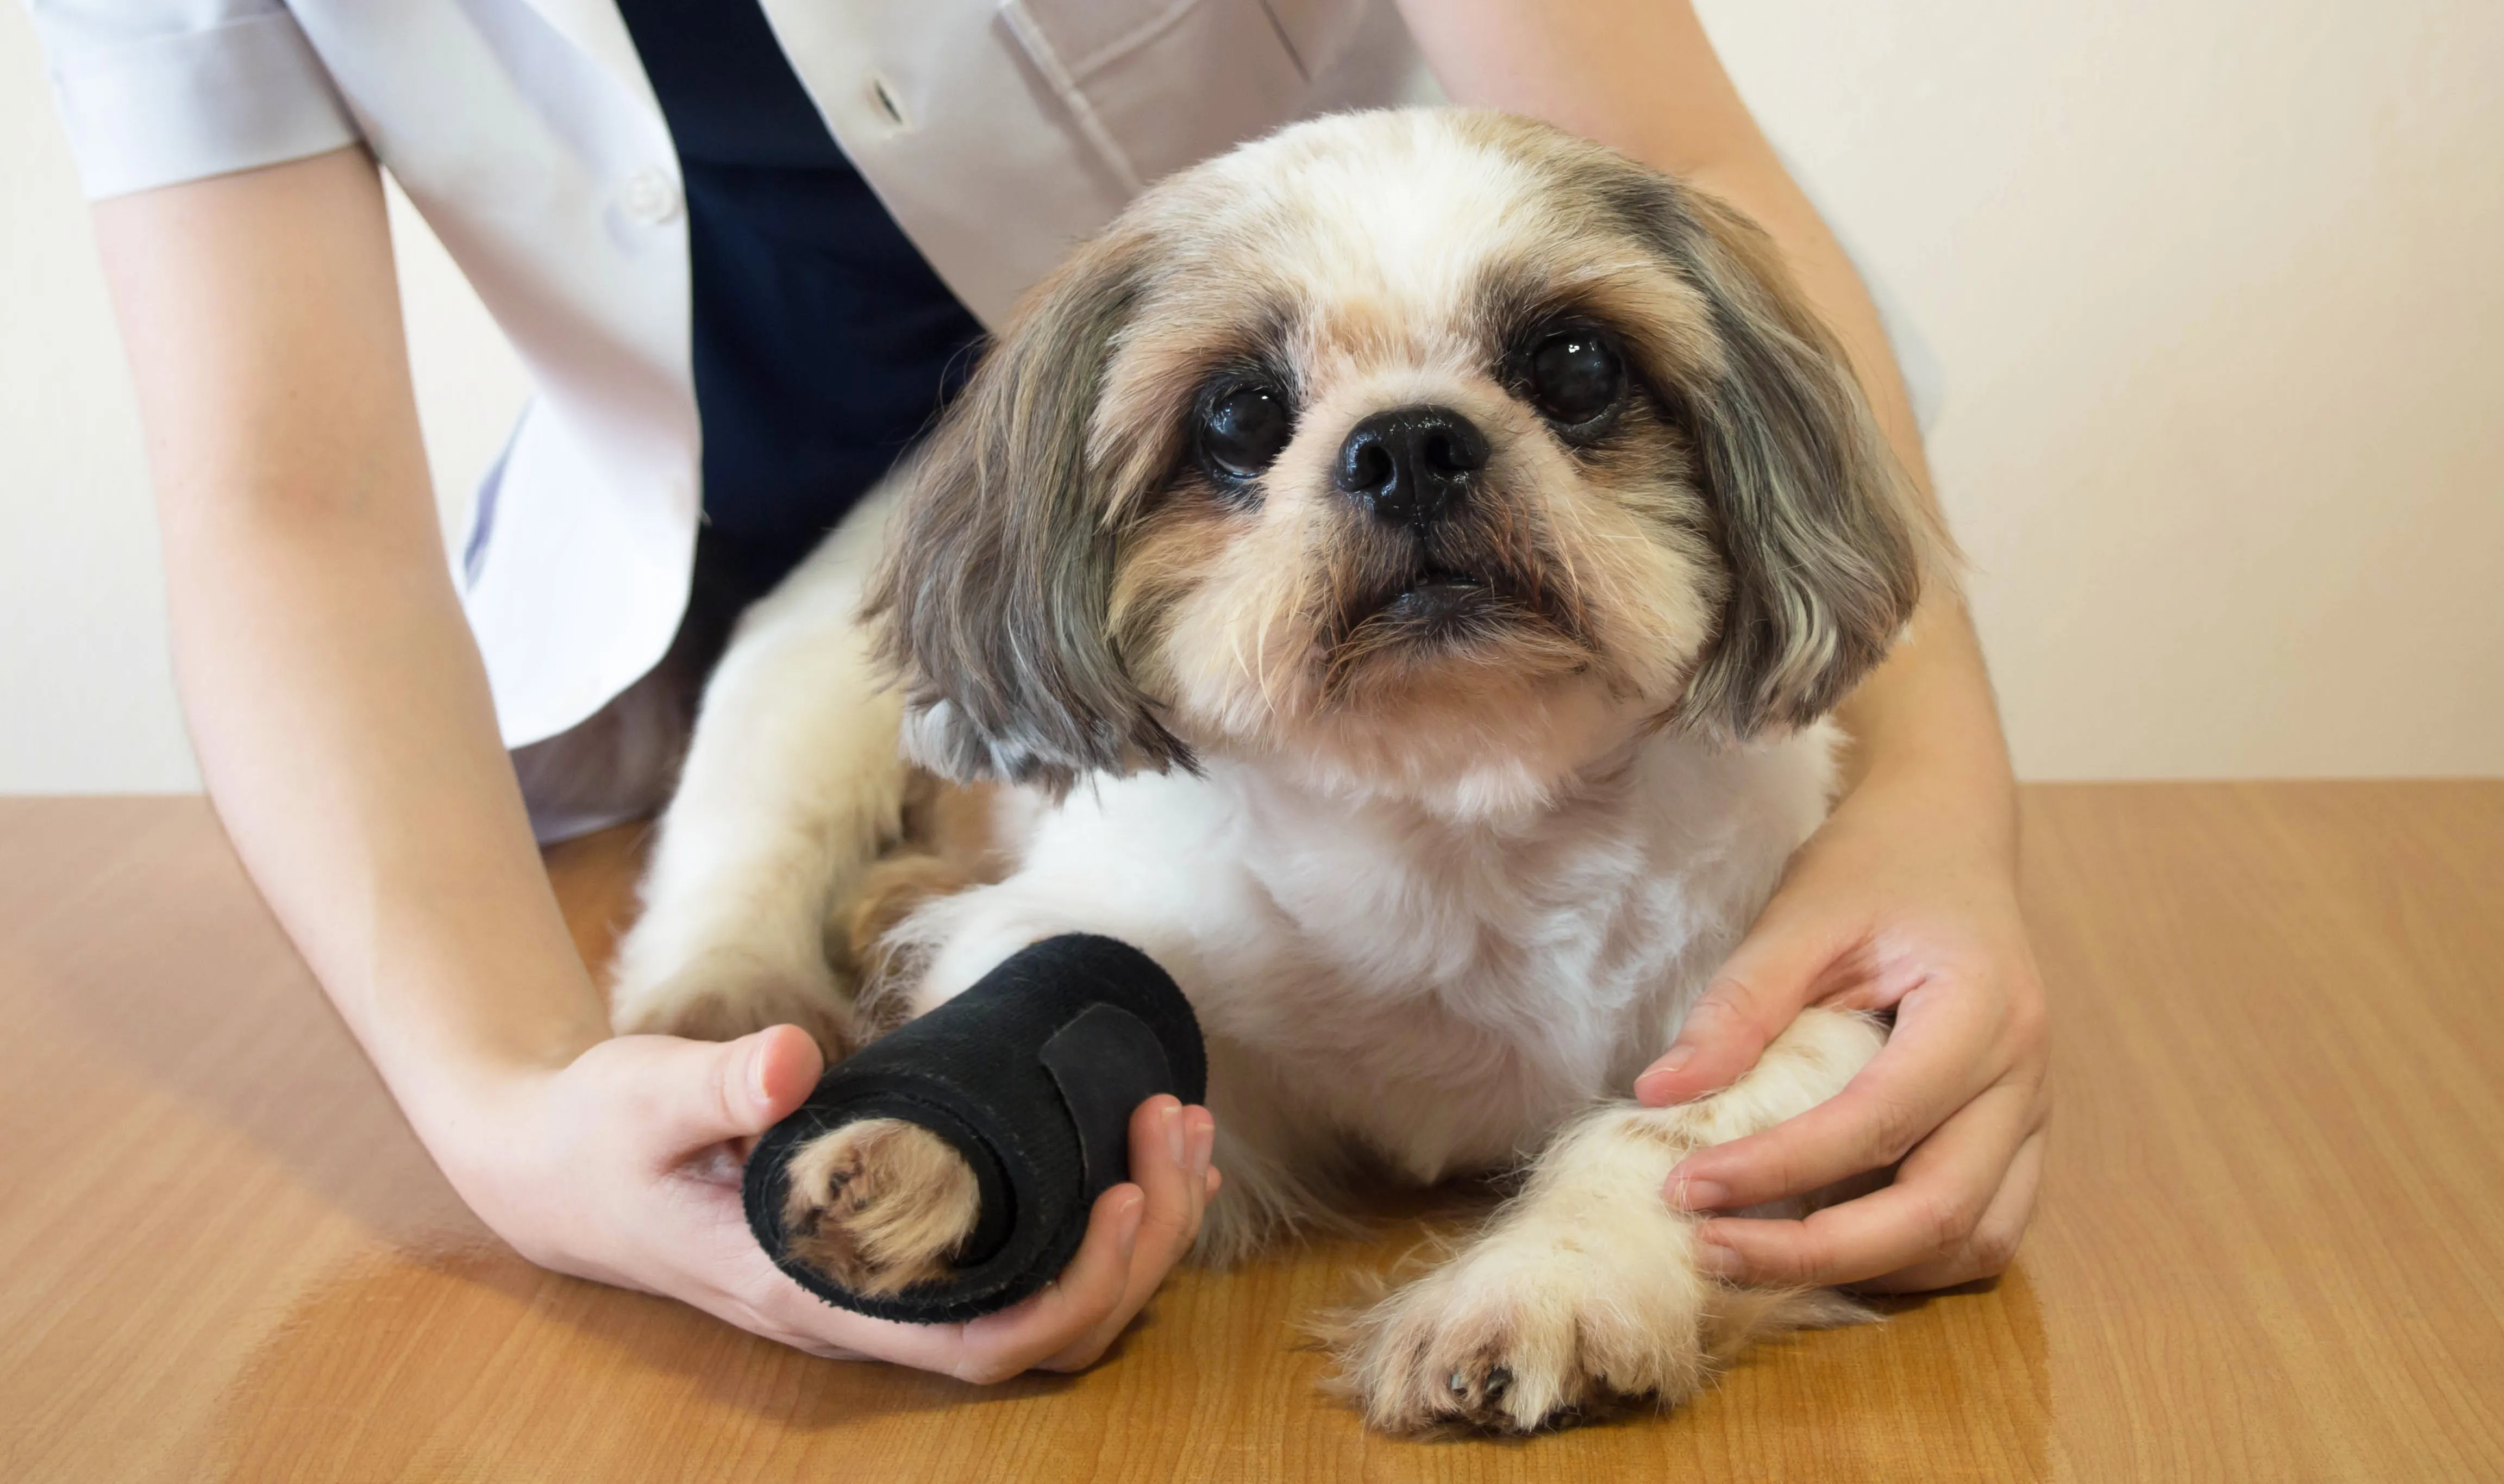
1395,576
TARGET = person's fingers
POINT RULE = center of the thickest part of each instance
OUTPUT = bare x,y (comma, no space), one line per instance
1075,1318
1177,1186
1073,1321
1993,1244
698,1093
983,1351
763,1300
1935,1206
998,1346
1938,1059
790,1065
1169,1153
1759,992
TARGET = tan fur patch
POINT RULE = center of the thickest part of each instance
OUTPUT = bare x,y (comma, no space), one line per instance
947,843
880,1205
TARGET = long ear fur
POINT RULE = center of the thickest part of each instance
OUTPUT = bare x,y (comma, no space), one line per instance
1826,546
991,602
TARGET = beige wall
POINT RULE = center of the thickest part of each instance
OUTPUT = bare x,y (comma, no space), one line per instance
2218,287
86,694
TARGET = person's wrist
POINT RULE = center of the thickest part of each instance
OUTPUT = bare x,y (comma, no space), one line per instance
484,1122
1913,834
484,1043
1950,785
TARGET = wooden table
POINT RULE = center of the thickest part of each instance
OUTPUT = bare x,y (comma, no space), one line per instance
2271,1244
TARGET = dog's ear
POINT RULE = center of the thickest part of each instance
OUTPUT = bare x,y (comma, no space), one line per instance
992,597
1826,545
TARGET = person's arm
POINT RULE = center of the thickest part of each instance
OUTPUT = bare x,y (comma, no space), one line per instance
342,720
1906,899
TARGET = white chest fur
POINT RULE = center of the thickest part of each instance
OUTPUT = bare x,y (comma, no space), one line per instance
1444,993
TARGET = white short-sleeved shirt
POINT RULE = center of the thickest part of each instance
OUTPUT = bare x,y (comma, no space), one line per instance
998,133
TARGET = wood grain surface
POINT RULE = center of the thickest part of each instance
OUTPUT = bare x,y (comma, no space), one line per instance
2271,1244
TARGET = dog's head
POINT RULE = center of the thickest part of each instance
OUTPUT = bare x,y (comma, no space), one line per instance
1431,452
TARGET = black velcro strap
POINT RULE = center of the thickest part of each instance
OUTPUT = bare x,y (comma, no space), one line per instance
1032,1074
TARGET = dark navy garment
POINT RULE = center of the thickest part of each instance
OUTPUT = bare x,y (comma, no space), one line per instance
823,342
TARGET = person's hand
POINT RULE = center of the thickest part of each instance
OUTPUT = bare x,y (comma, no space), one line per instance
624,1167
1885,907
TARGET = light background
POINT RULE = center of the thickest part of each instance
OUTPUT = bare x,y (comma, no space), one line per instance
2217,285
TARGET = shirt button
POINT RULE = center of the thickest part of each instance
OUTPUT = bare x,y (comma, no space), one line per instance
649,198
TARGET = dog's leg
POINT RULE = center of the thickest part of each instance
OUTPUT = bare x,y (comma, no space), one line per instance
880,1204
791,783
1585,1287
888,1205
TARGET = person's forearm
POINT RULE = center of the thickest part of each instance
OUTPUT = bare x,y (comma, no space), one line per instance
1641,76
336,702
341,720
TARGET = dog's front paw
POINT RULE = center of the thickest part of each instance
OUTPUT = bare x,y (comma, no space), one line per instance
879,1205
724,997
1517,1333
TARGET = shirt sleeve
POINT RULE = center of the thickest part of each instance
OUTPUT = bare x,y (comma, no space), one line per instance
158,91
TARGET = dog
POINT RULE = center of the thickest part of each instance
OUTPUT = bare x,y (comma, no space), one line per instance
1397,576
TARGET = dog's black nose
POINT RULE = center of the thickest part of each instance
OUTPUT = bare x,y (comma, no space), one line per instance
1412,466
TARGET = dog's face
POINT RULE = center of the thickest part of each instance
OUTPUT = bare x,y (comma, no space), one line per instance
1428,452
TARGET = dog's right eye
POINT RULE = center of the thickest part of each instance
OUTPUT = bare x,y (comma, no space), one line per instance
1242,429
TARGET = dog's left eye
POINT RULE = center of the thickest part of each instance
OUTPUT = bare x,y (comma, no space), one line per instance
1576,375
1242,429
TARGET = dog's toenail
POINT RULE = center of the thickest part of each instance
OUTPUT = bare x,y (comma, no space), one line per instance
1459,1384
1498,1382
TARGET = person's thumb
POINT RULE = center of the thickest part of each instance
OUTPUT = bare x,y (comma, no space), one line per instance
711,1092
1758,994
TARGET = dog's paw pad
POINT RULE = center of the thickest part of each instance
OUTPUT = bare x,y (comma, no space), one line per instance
879,1205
